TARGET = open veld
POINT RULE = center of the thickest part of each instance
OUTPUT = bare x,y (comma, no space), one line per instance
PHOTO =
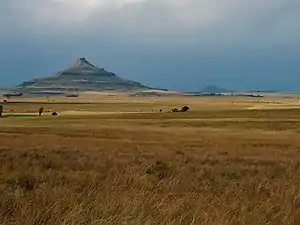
108,159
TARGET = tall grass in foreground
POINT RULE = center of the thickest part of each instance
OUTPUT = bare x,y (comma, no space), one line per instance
61,187
147,171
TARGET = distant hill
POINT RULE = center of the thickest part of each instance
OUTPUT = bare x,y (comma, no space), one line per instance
82,76
157,93
214,89
263,91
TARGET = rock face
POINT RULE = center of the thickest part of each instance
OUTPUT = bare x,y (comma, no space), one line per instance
82,76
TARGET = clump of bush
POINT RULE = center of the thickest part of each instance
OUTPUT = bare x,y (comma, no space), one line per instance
183,109
1,110
41,110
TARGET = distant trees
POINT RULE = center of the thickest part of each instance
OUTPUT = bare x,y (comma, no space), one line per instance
13,95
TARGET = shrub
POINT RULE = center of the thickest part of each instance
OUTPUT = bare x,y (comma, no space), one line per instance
41,111
185,109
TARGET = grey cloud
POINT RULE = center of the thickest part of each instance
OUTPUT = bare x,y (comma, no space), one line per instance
227,42
265,21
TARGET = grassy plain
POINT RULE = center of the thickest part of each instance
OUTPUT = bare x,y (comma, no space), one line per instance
118,160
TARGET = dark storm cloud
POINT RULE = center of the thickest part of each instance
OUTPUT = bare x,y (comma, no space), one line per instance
166,43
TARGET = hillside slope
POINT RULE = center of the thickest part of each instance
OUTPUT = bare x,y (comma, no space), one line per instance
82,76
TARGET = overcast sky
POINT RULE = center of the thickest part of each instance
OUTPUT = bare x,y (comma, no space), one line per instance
175,44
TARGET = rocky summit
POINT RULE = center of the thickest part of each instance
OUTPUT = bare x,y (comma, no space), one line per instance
82,76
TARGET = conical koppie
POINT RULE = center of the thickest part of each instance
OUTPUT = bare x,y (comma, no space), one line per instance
81,76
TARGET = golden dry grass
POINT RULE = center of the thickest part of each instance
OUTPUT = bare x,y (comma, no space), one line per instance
218,164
